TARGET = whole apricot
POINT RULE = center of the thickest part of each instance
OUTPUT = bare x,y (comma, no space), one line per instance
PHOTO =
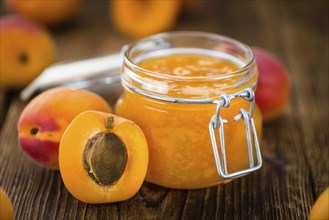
54,12
320,209
142,18
103,157
26,48
6,208
272,94
44,120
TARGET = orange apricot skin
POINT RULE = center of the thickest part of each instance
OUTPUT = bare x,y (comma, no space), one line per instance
54,12
320,209
26,48
50,113
138,19
6,208
71,165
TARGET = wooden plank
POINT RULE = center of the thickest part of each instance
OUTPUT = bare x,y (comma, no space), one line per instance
5,98
311,85
2,106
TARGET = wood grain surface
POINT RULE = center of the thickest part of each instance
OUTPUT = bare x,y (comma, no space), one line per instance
295,146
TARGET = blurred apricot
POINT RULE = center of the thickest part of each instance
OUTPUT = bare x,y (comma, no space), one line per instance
51,13
272,94
142,18
26,48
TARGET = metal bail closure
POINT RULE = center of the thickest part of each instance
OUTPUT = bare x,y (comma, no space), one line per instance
217,122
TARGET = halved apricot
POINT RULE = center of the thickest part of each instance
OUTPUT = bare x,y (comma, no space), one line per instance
144,17
103,158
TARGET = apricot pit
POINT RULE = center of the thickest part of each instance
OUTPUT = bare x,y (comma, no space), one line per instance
105,152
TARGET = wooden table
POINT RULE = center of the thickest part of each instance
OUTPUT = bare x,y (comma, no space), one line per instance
295,146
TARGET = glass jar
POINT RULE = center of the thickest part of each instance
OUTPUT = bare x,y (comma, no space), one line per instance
202,130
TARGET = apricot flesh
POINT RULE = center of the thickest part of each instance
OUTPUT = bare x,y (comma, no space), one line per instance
320,209
44,120
6,208
138,19
272,94
26,48
122,158
54,12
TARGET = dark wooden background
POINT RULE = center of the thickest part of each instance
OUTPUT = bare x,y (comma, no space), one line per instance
295,146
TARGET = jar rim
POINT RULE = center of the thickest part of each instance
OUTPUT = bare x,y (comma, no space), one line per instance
247,65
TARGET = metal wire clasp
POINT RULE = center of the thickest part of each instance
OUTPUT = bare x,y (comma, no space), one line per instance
217,122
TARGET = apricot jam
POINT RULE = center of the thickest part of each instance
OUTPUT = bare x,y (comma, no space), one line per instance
172,86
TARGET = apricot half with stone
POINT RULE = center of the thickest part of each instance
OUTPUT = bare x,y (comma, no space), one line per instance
103,158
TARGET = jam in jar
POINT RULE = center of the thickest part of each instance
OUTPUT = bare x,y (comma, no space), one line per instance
192,95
